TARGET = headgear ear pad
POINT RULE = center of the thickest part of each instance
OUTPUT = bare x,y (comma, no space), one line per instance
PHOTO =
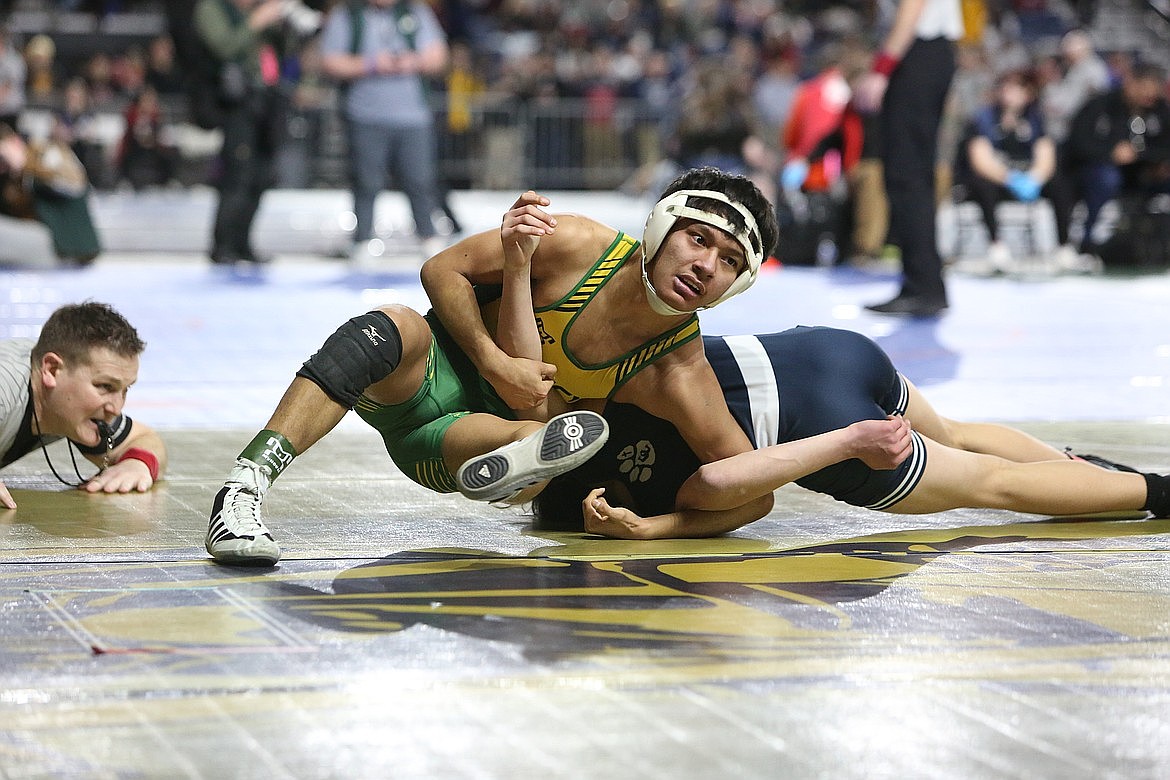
674,207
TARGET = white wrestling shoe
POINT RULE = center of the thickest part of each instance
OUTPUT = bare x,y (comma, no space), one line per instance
235,533
565,442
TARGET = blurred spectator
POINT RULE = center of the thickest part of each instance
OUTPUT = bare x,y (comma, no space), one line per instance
76,126
716,121
835,160
970,90
775,90
146,157
162,72
40,54
1008,155
465,86
1085,75
45,181
383,52
817,111
242,38
1119,144
12,79
98,74
310,95
128,72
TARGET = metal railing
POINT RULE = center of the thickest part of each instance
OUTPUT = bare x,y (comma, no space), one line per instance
506,143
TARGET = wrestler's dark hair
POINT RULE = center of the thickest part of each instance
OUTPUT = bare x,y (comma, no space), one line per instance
73,331
558,506
738,188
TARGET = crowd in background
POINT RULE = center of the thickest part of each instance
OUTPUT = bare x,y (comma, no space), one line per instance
718,80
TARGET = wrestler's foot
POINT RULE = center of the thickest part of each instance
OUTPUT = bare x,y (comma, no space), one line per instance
565,442
1097,460
235,534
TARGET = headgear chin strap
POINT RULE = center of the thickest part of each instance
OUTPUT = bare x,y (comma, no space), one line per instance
674,207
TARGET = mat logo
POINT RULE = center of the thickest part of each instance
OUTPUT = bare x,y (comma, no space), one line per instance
568,606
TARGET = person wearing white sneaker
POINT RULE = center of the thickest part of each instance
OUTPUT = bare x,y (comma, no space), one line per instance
1006,155
999,258
441,392
1067,260
71,383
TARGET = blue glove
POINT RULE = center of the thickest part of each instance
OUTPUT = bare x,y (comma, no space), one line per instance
1023,186
793,175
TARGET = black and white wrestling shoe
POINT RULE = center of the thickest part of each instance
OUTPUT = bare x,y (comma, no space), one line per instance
236,534
565,442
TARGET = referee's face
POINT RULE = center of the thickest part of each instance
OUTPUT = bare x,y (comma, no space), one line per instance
78,395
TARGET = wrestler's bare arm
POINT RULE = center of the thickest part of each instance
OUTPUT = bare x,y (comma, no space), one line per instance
523,228
448,277
729,493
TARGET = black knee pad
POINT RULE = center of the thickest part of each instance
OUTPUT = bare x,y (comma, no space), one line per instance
358,354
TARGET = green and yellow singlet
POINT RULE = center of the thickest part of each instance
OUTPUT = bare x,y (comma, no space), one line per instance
576,380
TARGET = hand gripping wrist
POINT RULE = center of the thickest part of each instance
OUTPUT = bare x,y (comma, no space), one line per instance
146,456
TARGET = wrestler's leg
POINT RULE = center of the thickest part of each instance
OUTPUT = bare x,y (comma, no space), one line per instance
511,460
382,353
956,478
988,438
475,434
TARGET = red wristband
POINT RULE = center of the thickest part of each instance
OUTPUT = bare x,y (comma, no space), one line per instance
884,64
146,456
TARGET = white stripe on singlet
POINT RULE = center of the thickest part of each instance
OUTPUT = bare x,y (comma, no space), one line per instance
760,379
914,472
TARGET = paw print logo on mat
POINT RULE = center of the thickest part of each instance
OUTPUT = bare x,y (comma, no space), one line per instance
635,460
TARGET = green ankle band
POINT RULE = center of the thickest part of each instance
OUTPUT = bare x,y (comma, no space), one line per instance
272,450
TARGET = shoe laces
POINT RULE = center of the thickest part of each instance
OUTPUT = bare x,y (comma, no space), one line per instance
241,511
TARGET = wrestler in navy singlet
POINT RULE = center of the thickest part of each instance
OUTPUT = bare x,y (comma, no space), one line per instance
779,387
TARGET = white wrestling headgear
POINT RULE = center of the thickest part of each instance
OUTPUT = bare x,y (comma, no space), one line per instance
674,207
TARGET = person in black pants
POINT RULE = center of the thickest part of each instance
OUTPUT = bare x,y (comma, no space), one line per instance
242,37
909,82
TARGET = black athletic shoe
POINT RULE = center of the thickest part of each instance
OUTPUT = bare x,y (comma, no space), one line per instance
565,442
910,305
1097,460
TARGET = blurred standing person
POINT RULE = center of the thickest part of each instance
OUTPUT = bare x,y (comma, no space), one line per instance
909,80
12,76
242,36
1085,75
383,52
